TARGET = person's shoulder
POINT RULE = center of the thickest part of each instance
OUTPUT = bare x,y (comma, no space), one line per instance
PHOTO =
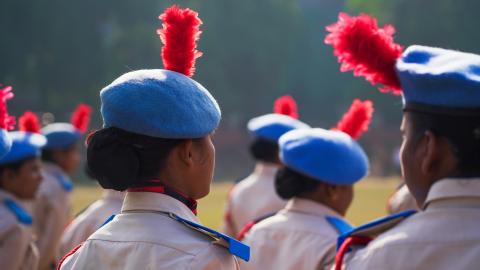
49,186
99,209
243,185
433,227
372,238
13,213
177,233
213,257
7,219
273,221
285,222
12,224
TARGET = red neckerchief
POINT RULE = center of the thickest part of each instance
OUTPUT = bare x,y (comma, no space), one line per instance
160,188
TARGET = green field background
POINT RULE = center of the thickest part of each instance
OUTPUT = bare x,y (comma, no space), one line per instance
369,202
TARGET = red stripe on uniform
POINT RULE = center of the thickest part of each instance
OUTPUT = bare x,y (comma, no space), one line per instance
68,255
350,241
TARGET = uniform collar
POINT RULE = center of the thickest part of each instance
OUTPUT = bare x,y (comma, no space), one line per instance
109,194
7,195
267,169
149,201
451,189
51,167
310,207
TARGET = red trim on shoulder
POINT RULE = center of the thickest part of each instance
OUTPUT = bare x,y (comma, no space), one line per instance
350,241
250,224
245,230
68,255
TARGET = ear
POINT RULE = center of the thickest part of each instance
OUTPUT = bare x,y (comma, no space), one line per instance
185,152
7,177
332,192
431,150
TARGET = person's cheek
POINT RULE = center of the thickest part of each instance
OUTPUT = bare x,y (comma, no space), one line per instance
403,157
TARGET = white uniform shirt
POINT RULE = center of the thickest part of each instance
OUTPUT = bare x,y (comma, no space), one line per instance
91,220
51,213
298,237
143,238
252,198
17,249
445,235
401,200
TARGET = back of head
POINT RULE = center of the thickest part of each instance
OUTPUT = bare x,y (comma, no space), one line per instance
289,183
120,159
264,150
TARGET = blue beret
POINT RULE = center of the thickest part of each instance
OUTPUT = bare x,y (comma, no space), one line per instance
24,145
60,136
5,142
273,126
439,77
328,156
159,103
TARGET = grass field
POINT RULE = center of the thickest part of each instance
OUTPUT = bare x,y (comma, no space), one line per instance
369,203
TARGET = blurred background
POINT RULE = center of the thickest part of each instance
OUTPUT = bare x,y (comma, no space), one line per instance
59,53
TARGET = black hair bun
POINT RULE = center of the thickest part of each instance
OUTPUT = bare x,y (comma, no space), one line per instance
264,150
111,160
289,183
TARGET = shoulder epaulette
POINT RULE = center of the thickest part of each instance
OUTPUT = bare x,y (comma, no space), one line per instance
340,225
235,247
21,214
107,221
376,227
64,182
362,235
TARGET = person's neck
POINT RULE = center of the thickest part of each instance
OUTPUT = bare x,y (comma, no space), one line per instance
321,200
264,167
175,182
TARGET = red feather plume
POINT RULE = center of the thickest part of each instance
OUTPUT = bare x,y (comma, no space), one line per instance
179,34
7,121
357,119
360,45
81,117
286,105
28,122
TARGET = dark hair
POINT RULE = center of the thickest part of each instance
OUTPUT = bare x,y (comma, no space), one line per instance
462,132
289,183
119,159
47,155
264,150
16,165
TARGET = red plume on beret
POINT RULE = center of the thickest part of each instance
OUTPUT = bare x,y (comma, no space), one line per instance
81,117
360,45
286,105
7,121
357,119
28,122
179,34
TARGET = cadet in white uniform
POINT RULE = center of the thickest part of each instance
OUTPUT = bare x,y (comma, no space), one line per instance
20,176
52,207
156,144
254,197
91,219
439,156
321,167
